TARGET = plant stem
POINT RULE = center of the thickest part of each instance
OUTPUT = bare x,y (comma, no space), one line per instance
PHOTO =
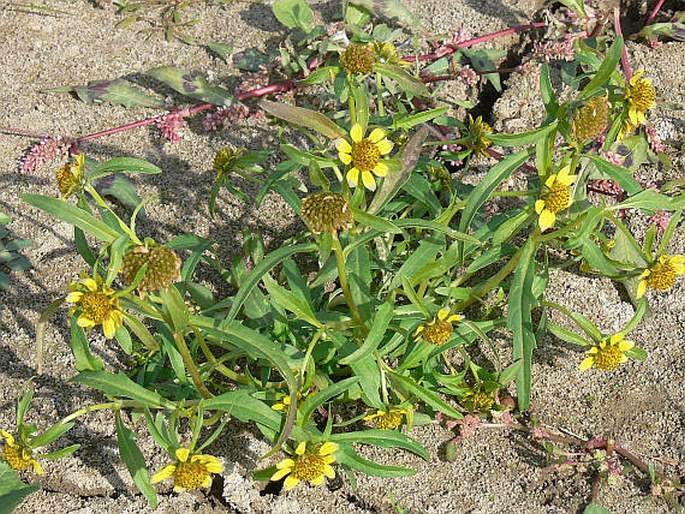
24,132
91,408
654,12
624,55
308,355
265,90
345,285
190,364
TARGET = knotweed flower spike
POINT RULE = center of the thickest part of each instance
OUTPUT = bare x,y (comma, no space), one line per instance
387,419
662,274
608,354
18,456
99,305
640,95
555,197
438,330
326,212
189,471
70,176
313,465
365,156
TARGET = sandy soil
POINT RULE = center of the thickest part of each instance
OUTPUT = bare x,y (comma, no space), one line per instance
641,405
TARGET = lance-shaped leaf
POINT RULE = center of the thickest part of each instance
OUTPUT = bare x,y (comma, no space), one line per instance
303,118
406,81
194,86
117,92
134,460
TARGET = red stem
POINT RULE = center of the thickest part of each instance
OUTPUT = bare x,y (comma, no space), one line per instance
624,56
655,11
265,90
446,50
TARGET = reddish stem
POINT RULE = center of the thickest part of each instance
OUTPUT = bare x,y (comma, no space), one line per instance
624,55
265,90
446,50
655,11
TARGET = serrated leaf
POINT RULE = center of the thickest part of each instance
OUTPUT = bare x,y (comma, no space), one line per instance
193,86
116,92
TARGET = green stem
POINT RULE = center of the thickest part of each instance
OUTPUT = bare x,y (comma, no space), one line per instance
379,93
308,355
92,408
344,284
96,196
229,373
192,369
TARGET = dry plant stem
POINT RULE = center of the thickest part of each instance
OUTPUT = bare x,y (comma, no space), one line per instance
624,55
654,12
192,369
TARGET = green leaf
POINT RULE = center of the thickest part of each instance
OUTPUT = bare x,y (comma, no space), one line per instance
389,9
549,98
346,456
303,118
72,215
605,71
321,397
59,454
293,14
221,49
519,319
378,329
266,265
430,398
407,122
80,347
595,508
51,434
12,490
482,60
177,308
134,460
651,200
394,181
195,87
375,222
289,301
621,175
319,75
116,92
124,165
382,439
497,174
407,82
120,385
523,138
567,335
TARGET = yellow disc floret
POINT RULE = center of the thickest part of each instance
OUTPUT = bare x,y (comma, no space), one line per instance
662,274
387,419
438,330
555,197
18,456
99,305
365,156
357,58
312,465
640,95
189,471
608,354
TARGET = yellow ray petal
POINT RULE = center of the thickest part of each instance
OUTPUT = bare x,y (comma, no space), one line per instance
547,219
385,146
164,473
356,133
376,135
381,169
182,454
290,482
368,180
586,364
353,177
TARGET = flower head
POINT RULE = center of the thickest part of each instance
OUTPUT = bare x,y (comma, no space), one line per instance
591,119
387,53
357,58
640,95
189,471
70,176
478,131
99,305
18,456
556,196
163,267
365,156
313,465
284,402
478,400
387,419
225,160
608,354
438,330
662,274
326,212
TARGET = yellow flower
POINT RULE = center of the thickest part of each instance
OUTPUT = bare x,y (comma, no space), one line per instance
387,419
640,95
478,132
438,330
18,456
365,156
556,197
608,354
99,305
285,402
387,53
70,176
357,58
477,400
662,274
189,471
313,466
